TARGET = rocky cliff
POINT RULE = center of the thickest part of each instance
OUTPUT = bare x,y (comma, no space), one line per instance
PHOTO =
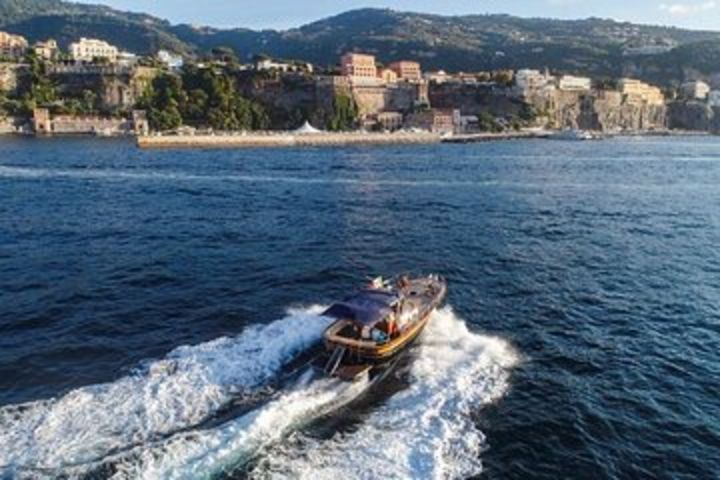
694,115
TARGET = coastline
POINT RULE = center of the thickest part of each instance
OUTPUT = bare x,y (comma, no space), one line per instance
267,139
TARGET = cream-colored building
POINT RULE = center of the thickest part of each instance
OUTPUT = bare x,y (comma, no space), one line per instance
359,66
696,90
12,45
637,91
570,83
387,75
407,70
390,120
47,50
88,49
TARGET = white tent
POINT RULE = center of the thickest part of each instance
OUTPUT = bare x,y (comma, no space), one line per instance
307,129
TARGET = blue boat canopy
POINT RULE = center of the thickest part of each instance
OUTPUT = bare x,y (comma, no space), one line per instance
367,308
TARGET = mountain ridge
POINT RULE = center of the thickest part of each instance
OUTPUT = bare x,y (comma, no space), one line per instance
592,46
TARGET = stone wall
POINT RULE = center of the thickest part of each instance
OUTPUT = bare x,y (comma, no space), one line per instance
398,97
46,124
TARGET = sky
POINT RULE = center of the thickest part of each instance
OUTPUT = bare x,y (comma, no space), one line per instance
282,14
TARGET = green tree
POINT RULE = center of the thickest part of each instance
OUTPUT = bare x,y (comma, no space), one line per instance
214,100
527,113
345,114
162,101
40,90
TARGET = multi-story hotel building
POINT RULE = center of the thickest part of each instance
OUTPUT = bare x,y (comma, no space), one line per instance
407,70
88,49
12,45
640,92
359,66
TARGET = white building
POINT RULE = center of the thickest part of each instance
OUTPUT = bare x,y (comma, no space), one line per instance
88,49
714,98
438,77
171,60
267,64
127,59
570,83
696,90
526,79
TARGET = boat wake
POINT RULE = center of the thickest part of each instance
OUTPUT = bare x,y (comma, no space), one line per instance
160,398
153,424
425,431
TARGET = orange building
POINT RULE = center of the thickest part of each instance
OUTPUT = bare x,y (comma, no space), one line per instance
12,45
407,70
359,65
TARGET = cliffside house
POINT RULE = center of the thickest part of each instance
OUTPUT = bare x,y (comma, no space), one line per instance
88,49
438,77
170,60
695,90
570,83
526,79
47,50
13,46
436,120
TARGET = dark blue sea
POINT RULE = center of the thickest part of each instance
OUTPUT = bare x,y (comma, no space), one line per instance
156,308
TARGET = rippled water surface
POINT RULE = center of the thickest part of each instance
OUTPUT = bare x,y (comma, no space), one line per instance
156,309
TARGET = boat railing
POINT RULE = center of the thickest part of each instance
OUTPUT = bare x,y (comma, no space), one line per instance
335,360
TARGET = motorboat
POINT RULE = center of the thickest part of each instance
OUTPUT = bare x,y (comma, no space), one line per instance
378,322
574,134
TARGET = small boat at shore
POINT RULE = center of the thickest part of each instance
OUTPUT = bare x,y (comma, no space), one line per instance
574,134
378,323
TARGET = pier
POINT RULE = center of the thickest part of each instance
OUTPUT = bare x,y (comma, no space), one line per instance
279,140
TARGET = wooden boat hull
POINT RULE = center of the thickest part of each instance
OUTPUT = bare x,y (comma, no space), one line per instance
384,352
352,353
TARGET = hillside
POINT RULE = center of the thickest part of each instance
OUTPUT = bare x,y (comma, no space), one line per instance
65,22
598,47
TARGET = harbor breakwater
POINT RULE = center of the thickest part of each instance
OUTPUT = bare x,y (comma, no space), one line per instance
257,140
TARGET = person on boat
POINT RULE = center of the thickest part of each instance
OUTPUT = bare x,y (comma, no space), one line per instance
403,282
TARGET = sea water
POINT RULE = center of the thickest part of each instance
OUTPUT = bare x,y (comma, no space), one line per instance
153,302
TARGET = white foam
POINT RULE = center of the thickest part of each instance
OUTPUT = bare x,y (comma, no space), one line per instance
425,431
205,454
163,397
149,175
422,432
